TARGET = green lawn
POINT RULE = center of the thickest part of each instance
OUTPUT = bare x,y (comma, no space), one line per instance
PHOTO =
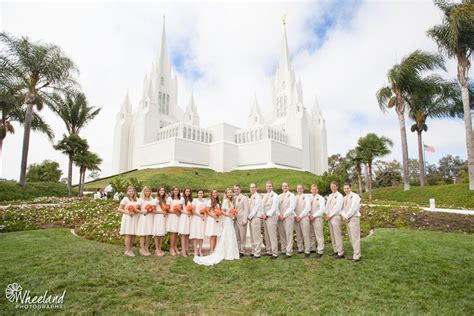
449,195
403,272
210,179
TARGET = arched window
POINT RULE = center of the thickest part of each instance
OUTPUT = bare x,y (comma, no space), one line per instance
160,108
184,132
210,138
167,104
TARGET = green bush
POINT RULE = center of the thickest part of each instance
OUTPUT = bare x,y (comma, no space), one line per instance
11,190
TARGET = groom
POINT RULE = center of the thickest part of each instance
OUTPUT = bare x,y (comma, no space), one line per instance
240,224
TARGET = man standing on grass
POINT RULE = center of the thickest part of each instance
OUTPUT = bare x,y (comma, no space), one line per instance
333,211
351,214
255,218
302,209
286,219
240,224
270,217
316,221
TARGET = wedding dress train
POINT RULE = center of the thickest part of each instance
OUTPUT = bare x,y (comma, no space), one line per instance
226,247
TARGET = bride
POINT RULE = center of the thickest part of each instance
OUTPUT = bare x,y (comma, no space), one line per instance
226,248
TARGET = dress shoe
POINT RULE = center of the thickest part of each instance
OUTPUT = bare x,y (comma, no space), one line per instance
313,251
319,255
334,254
355,260
255,257
339,257
306,255
273,257
287,257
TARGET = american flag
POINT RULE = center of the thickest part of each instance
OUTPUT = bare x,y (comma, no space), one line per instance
429,149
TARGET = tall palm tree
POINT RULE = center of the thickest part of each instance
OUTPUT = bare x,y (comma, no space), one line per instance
71,145
40,69
86,161
371,147
401,80
435,98
354,158
455,38
74,110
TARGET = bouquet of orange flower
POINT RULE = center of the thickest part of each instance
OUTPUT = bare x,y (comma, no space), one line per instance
177,208
131,208
217,212
233,212
149,208
203,211
165,208
190,208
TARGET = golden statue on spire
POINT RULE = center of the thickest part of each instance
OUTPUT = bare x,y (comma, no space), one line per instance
283,19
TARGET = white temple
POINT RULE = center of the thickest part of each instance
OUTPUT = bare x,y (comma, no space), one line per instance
158,133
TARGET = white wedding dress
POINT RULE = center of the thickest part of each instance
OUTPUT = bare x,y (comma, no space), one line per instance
226,247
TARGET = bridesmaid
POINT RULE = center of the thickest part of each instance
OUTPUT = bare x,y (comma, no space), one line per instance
176,202
128,227
213,225
145,219
185,221
197,223
159,222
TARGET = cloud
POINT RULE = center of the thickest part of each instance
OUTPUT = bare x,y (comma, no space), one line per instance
227,52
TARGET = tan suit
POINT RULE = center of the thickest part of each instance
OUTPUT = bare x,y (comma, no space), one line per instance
351,213
317,224
241,203
302,209
286,206
333,209
270,208
255,218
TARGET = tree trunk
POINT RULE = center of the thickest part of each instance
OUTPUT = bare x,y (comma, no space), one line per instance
359,178
1,158
69,177
463,70
403,135
366,171
82,172
421,159
369,167
26,139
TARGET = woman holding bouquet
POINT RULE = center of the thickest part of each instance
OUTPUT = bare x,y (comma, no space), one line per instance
227,247
176,203
128,227
159,222
213,226
145,219
196,232
185,221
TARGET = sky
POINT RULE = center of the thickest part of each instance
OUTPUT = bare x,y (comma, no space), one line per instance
225,53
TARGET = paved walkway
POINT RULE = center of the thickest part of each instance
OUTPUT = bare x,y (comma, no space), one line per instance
442,210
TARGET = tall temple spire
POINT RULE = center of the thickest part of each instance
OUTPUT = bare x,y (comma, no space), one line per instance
284,55
163,61
126,106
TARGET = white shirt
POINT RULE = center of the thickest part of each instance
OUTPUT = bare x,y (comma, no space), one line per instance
354,209
274,208
315,199
334,204
290,210
306,206
256,210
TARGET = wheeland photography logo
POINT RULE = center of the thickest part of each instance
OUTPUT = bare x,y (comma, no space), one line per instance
24,300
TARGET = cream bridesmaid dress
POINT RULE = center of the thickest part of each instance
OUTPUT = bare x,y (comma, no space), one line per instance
197,223
145,221
172,220
159,221
129,224
213,226
184,222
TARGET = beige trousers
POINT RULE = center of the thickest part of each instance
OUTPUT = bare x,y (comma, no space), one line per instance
302,235
317,235
353,228
271,235
256,235
241,234
285,231
336,234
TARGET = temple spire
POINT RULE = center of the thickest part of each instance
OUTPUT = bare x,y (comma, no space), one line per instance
284,56
163,61
126,106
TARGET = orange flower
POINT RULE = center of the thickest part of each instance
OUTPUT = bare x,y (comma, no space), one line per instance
177,208
217,212
203,211
131,208
149,208
190,208
233,212
165,208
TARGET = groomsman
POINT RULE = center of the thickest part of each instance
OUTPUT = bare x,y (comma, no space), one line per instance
351,214
241,203
255,218
270,217
302,209
316,221
333,211
286,219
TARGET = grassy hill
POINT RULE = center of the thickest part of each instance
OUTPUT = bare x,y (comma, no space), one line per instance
210,179
449,196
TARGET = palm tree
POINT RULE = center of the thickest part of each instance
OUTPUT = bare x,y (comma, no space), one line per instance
354,158
435,98
39,69
402,78
371,147
74,110
71,145
86,161
455,38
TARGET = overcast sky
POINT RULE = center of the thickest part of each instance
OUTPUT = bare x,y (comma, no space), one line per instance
227,52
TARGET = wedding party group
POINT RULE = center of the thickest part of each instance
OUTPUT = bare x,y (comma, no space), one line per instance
226,221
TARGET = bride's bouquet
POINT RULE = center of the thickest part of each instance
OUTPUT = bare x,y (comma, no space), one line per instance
233,212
